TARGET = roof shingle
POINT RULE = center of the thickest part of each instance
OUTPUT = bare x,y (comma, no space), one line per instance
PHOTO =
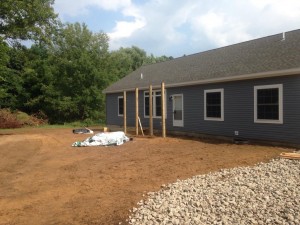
270,53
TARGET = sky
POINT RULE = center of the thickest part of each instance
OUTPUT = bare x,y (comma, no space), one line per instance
181,27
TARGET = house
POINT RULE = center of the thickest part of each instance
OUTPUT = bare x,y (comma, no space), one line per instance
249,90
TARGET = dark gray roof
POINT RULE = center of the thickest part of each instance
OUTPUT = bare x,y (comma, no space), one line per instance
270,53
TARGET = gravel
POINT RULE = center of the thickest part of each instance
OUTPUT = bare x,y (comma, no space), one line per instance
268,193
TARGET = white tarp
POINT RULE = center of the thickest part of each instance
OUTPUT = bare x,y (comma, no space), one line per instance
103,139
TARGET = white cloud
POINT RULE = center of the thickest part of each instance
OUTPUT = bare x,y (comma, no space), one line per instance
220,29
163,22
79,7
175,27
289,8
125,29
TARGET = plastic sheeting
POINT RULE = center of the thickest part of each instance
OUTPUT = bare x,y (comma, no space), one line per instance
103,139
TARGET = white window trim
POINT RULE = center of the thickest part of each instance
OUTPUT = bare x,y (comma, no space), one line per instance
119,106
280,96
221,90
154,104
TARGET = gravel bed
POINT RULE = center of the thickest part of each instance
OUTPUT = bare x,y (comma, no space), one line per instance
268,193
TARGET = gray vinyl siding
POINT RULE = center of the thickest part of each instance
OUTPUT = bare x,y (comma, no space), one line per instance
238,110
112,117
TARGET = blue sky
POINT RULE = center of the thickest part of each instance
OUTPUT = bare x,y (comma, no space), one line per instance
181,27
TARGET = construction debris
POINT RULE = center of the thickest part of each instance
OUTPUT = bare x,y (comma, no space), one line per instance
83,131
289,155
103,139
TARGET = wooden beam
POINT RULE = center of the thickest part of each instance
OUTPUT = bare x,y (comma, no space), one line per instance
289,155
150,111
163,110
141,126
124,112
137,111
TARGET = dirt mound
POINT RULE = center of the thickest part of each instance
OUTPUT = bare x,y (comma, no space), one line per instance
17,119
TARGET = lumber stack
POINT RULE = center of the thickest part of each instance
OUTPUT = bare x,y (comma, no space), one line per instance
289,155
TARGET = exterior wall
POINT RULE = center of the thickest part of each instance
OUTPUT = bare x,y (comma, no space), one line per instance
238,111
112,117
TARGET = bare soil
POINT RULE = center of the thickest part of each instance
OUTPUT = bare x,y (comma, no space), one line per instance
43,180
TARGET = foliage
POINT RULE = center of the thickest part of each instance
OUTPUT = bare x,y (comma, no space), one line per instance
30,120
85,123
4,58
17,119
27,19
61,77
11,81
8,119
78,74
126,60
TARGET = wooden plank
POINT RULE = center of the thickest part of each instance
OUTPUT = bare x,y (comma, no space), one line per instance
136,111
124,112
163,110
141,126
290,155
150,111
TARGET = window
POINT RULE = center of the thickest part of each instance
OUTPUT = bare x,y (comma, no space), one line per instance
268,104
214,104
120,106
156,105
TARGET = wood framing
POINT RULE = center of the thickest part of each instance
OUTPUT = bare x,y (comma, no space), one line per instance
137,111
163,110
124,112
150,111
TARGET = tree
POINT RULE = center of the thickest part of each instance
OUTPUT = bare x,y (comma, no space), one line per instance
37,76
13,61
27,19
4,59
125,60
152,59
79,75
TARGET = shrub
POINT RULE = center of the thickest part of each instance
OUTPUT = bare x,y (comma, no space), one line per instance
9,119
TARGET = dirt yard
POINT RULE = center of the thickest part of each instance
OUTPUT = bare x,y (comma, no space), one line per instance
43,180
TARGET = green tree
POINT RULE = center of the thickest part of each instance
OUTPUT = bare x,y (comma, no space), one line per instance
27,19
125,60
37,76
21,20
152,59
12,65
79,75
4,58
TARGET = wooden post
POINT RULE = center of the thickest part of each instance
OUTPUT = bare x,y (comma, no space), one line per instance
163,114
124,112
150,111
137,111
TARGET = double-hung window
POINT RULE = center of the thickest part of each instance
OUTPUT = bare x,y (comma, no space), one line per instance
120,106
214,104
156,104
268,104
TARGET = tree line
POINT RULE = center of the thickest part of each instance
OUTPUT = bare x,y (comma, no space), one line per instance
62,73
